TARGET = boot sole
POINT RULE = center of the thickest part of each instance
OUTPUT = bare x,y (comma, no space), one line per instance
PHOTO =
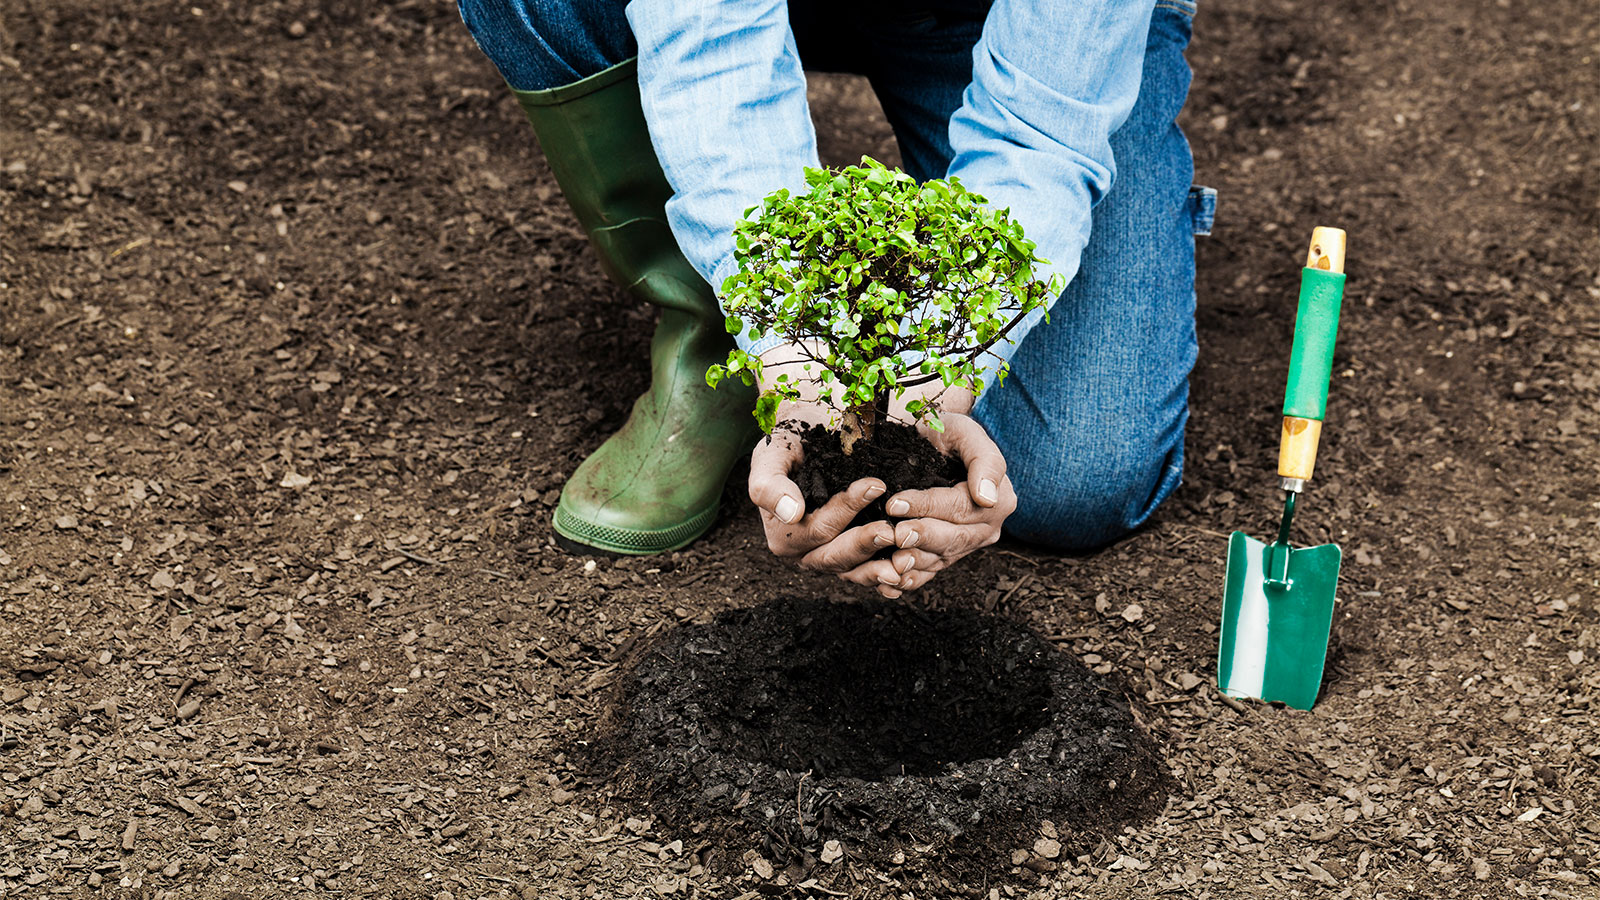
578,537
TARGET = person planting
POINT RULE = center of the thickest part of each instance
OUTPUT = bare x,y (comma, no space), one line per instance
884,285
664,120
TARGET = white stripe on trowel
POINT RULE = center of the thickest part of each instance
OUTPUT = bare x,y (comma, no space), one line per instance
1249,671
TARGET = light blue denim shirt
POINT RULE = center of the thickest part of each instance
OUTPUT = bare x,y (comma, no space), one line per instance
725,97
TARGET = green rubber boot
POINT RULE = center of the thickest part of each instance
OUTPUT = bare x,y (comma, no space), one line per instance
655,485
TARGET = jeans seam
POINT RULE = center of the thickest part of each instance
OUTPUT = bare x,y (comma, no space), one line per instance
1179,6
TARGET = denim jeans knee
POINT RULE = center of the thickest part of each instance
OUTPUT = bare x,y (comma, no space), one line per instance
1091,417
1078,492
543,44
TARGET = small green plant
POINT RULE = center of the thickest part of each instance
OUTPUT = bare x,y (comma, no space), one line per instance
884,283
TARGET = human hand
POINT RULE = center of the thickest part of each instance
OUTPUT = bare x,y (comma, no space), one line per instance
941,525
821,540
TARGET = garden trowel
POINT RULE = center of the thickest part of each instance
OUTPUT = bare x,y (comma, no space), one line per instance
1278,605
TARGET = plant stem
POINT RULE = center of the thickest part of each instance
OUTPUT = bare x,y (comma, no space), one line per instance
974,353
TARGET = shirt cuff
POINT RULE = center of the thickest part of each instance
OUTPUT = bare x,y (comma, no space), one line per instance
719,276
991,361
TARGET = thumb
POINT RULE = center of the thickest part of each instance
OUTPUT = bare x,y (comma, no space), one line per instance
986,465
770,485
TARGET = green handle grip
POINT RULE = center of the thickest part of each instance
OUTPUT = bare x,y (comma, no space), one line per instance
1315,327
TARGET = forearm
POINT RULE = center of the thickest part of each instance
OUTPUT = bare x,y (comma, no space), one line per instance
951,399
792,360
1033,134
723,91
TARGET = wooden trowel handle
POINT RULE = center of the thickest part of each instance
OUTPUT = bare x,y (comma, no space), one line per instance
1316,324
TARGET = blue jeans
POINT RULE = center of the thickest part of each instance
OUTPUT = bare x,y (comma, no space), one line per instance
1091,416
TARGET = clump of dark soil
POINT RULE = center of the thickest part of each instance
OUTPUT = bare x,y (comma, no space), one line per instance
889,728
897,454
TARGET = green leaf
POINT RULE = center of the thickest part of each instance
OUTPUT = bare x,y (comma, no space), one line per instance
766,411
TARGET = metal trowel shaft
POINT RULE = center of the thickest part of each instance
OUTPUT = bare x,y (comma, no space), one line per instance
1288,516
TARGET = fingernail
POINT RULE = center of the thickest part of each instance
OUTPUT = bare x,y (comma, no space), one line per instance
882,541
874,492
788,510
899,507
986,491
911,539
891,581
903,565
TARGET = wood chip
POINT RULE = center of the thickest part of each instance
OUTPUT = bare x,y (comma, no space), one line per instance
831,852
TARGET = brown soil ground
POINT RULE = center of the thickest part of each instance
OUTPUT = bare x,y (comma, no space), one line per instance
298,341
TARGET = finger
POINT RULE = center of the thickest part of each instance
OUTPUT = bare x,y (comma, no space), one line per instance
770,486
889,593
952,504
986,465
850,549
947,540
906,560
914,579
836,515
985,473
872,574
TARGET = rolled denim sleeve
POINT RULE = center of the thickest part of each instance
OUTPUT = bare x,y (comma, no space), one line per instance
1051,81
725,97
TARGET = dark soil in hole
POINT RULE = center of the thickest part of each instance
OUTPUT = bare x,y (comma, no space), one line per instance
897,454
887,727
900,697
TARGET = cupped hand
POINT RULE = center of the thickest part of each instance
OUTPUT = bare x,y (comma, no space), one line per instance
821,539
938,526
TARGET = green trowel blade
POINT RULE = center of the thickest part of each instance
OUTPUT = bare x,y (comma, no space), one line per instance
1275,634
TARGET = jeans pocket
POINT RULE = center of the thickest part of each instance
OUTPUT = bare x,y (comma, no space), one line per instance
1202,209
1186,7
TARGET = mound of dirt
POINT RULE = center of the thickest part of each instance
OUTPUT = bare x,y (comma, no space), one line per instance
899,732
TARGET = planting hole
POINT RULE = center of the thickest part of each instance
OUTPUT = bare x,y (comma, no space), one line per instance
897,730
867,695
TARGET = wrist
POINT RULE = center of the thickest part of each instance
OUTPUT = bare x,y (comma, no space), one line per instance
798,362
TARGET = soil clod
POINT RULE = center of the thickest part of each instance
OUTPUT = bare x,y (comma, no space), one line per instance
897,454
